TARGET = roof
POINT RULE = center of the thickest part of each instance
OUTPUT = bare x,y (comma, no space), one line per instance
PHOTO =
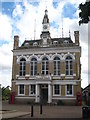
53,40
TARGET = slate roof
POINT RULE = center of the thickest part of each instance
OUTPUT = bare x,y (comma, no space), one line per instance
38,41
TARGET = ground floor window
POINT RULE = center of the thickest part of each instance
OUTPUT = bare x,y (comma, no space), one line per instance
69,89
21,89
56,89
32,89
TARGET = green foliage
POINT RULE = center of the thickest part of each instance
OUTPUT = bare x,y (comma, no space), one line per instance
5,93
85,12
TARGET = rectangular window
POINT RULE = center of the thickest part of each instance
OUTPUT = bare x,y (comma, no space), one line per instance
56,90
32,90
21,89
69,90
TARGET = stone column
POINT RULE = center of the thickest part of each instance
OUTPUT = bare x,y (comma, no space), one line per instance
37,93
49,94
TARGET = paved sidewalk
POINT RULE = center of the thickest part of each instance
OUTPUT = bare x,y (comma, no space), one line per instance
24,110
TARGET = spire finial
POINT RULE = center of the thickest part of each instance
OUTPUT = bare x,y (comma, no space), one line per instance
62,26
34,29
69,34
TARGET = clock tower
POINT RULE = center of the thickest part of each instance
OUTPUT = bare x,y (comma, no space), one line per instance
45,36
45,22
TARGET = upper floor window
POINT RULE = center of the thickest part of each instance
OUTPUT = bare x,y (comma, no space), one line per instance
33,66
69,66
22,67
45,66
56,66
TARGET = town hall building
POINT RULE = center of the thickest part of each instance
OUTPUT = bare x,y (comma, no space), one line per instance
46,69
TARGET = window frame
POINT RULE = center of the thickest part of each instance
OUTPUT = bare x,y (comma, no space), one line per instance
55,65
66,90
19,90
22,67
45,66
68,65
30,94
54,90
33,65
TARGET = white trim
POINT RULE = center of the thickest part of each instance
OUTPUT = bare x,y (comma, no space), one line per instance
69,54
32,56
19,90
44,55
62,75
56,55
59,90
61,98
24,97
30,90
46,50
64,82
66,90
20,57
61,82
69,76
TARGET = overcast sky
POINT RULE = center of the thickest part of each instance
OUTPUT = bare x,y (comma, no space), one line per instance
18,18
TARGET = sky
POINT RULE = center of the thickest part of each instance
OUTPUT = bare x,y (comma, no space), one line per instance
17,17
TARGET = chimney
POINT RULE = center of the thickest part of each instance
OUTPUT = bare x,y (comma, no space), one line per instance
16,41
76,34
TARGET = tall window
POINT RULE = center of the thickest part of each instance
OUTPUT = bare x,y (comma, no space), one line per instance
56,66
69,90
21,89
56,90
22,67
32,90
69,66
45,66
33,66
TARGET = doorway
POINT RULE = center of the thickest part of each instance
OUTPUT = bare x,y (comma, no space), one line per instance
44,94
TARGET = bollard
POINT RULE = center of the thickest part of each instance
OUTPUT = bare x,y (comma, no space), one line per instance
31,110
40,108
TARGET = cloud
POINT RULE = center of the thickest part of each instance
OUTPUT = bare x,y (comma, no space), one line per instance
5,27
18,11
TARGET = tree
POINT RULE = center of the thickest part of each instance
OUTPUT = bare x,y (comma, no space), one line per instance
85,12
5,93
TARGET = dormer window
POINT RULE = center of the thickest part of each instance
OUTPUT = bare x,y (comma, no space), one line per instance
55,42
65,42
35,44
26,44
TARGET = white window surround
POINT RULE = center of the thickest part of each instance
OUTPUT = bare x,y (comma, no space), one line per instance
19,90
29,57
45,63
68,68
54,91
33,67
56,66
66,91
30,90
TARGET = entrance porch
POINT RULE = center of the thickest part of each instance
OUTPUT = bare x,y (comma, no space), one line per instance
43,93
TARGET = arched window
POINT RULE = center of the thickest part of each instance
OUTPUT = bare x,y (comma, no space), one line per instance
33,66
22,67
56,66
45,66
69,66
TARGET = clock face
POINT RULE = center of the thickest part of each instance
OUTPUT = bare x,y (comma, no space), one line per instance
45,26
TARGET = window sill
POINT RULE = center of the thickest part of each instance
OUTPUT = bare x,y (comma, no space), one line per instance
21,94
56,95
69,95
